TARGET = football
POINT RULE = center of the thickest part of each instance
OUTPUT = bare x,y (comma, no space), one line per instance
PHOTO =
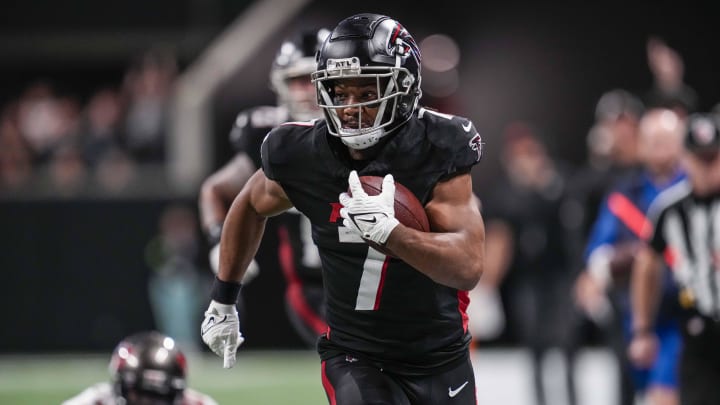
408,209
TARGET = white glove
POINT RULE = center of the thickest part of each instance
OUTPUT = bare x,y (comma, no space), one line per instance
372,217
485,312
221,331
252,271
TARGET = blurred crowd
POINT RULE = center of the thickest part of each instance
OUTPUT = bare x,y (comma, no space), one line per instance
561,240
65,146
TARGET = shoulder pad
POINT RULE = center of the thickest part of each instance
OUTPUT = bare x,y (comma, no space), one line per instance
287,142
261,117
255,123
454,134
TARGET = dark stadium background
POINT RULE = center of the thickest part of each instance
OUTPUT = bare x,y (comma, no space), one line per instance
72,275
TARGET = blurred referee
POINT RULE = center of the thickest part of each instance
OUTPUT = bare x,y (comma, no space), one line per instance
687,235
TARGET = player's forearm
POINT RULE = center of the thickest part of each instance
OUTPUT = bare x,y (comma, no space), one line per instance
240,240
220,189
212,208
451,259
645,289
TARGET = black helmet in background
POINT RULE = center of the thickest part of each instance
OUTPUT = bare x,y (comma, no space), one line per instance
295,60
148,368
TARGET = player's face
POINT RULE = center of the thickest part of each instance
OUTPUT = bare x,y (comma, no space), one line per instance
348,92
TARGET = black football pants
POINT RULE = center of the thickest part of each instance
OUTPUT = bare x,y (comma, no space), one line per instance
349,380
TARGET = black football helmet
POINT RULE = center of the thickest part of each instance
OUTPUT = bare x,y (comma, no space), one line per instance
148,368
369,46
296,59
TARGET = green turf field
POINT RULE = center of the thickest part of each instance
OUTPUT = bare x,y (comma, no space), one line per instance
293,378
258,378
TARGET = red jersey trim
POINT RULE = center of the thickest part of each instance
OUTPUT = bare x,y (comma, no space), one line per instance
463,302
378,296
294,290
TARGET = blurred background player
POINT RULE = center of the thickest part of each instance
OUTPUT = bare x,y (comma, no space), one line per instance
612,155
686,219
146,368
175,282
526,246
297,255
613,244
398,327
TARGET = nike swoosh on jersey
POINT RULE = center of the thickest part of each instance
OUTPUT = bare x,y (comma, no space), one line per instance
453,392
468,127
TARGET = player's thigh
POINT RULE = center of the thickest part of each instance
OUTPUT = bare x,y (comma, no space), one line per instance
349,380
452,387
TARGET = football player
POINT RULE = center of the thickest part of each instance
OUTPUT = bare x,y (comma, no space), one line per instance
397,326
298,257
602,289
145,368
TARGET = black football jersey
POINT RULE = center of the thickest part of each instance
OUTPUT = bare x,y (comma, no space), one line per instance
250,128
377,306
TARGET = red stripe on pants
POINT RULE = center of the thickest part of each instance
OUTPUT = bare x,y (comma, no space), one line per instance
329,389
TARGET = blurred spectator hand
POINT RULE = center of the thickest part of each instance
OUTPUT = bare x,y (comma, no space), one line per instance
665,63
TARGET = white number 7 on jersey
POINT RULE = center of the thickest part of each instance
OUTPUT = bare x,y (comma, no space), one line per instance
373,275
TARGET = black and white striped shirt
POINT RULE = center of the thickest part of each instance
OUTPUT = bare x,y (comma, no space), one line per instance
687,231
